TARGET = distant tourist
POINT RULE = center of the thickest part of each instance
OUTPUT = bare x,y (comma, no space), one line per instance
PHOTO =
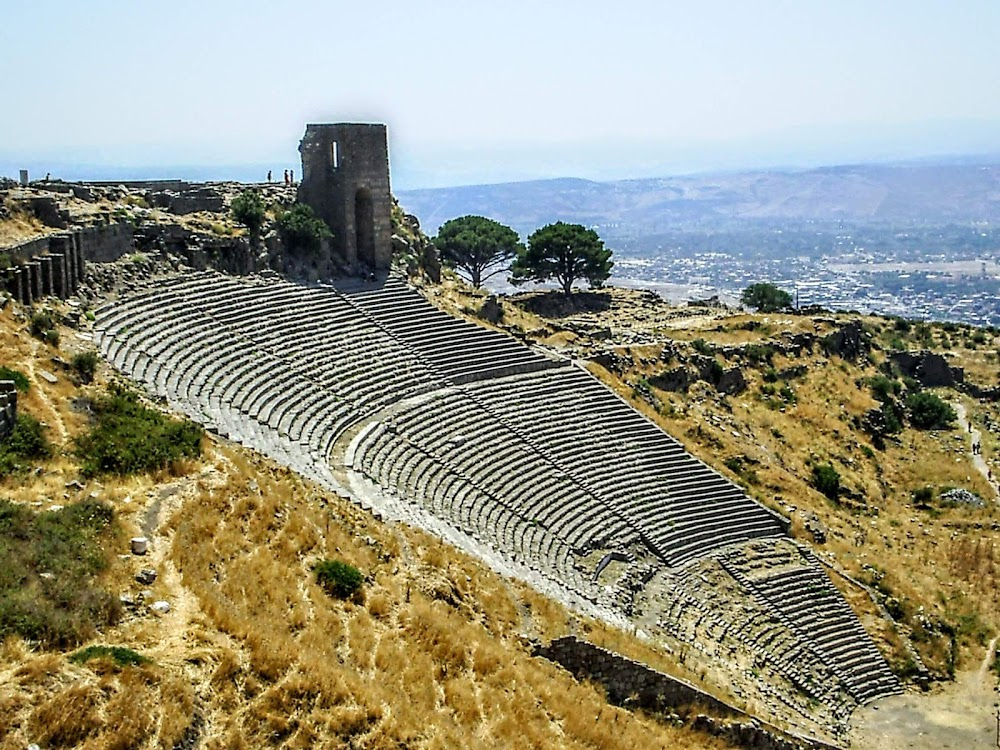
291,177
286,178
269,175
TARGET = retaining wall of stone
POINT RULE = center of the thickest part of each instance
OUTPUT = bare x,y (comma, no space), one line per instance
8,407
631,683
54,266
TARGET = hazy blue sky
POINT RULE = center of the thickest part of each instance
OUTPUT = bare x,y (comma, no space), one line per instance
480,91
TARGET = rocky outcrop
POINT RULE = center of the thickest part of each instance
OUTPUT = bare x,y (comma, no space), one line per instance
930,369
849,342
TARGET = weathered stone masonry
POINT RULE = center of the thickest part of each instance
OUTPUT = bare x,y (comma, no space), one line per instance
8,407
632,683
345,180
54,266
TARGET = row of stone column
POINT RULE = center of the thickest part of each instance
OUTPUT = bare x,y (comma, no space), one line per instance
8,407
57,274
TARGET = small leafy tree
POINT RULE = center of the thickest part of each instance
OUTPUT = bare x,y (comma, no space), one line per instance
337,578
766,298
929,412
302,230
477,246
249,210
84,364
826,479
564,252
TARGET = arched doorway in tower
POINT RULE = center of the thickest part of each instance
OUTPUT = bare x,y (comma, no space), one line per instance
364,226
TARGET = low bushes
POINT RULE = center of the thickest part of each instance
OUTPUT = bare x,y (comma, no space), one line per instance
121,656
128,438
338,579
43,326
25,445
47,579
84,365
929,412
826,479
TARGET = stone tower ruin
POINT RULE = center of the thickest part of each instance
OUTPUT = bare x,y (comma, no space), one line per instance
345,180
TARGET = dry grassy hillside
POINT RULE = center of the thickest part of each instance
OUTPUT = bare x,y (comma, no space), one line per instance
433,653
934,566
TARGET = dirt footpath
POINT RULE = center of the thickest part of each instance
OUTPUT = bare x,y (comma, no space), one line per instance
959,716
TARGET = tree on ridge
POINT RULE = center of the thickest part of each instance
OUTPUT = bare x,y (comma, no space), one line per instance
766,298
566,253
477,246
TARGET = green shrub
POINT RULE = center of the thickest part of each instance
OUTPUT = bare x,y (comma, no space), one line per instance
19,378
25,445
922,495
702,347
301,230
43,326
757,353
928,412
121,656
249,210
883,388
84,364
826,479
128,438
338,578
50,560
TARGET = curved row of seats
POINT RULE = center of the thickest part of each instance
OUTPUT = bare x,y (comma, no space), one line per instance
455,432
223,349
684,508
802,595
459,351
445,490
546,466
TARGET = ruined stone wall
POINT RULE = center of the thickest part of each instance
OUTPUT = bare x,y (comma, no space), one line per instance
54,266
629,682
106,244
8,407
345,180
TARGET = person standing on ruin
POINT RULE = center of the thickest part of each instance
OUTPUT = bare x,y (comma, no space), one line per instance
269,176
286,178
291,178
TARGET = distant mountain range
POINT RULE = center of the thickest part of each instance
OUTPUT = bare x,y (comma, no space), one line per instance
925,193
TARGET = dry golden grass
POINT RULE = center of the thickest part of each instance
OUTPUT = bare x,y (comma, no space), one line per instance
253,653
875,525
20,226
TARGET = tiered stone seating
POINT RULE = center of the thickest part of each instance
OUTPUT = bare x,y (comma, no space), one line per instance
684,508
458,350
792,584
543,466
412,470
704,610
475,445
227,352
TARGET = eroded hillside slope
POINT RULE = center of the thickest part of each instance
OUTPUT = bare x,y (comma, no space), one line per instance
250,651
776,402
